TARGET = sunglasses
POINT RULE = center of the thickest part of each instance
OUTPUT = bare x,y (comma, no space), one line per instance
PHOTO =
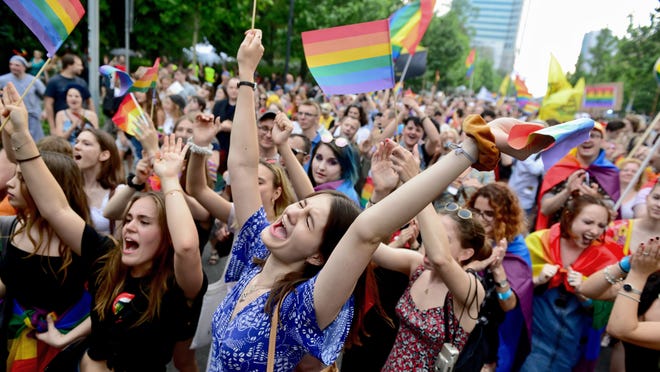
340,142
297,152
463,213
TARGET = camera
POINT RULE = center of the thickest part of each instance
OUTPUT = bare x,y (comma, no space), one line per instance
447,358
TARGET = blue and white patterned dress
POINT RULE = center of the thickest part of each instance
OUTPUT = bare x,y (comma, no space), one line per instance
241,344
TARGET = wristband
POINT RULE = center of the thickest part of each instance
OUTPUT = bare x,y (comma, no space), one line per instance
129,182
624,264
505,296
196,149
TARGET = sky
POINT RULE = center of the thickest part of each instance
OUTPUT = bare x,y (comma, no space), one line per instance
558,26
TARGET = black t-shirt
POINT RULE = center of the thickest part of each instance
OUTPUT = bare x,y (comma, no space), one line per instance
149,346
35,281
56,89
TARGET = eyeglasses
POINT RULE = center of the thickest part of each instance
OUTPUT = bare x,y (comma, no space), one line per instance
296,152
340,142
264,128
463,213
309,114
486,215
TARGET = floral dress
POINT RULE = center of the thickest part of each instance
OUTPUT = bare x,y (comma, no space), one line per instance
241,343
422,333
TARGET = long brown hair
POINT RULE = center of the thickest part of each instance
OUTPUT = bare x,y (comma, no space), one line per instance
343,211
509,220
66,172
280,180
111,278
111,174
574,207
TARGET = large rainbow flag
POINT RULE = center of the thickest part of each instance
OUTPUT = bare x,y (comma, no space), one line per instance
127,114
350,59
49,20
148,80
408,25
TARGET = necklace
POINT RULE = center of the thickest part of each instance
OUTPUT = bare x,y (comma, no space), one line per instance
250,290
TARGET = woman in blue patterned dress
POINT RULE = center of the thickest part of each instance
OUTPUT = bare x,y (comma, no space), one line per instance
289,262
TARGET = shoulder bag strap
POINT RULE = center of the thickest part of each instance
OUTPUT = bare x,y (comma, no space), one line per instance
270,366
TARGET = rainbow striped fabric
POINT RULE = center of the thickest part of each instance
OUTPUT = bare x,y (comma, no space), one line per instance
599,96
408,25
127,113
125,81
50,21
350,59
469,62
148,80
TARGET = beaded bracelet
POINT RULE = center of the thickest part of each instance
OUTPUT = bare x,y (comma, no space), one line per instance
609,277
195,149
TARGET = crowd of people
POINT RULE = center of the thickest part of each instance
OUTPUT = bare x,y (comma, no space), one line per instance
363,232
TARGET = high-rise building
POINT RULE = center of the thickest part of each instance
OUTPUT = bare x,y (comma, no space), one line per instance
495,24
589,41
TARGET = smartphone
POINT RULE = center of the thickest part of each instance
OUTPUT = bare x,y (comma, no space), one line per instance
586,179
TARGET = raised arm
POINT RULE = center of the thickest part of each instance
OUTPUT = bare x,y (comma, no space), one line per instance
337,279
243,160
204,131
187,261
624,323
44,189
282,128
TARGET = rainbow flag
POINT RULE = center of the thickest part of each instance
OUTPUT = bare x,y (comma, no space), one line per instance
408,25
469,62
148,80
127,114
125,81
49,20
599,96
523,97
350,59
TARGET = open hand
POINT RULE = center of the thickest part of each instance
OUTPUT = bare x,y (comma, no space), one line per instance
382,172
146,133
646,259
13,107
405,163
170,158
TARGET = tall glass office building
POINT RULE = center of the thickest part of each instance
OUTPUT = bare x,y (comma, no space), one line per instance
495,25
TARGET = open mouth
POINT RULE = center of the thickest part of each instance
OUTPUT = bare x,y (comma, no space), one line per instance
130,246
77,156
278,230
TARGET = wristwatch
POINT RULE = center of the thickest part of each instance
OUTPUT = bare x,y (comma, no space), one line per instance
630,289
250,84
502,284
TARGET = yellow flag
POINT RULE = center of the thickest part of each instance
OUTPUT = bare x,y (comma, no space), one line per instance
564,104
504,86
556,79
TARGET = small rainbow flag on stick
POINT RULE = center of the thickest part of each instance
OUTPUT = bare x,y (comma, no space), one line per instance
350,59
127,114
148,80
50,21
599,96
125,81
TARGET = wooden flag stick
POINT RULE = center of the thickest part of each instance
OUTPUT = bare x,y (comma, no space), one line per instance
43,68
254,12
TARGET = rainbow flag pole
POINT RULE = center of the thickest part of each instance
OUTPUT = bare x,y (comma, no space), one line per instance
51,22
